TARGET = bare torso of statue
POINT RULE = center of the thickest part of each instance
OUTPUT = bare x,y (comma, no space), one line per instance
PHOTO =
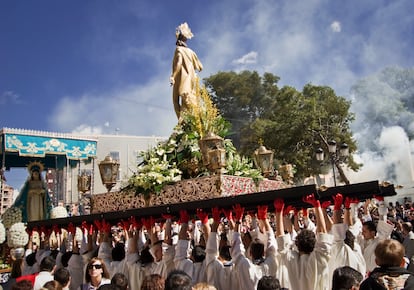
183,78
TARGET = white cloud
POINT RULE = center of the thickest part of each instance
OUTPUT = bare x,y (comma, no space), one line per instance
248,58
137,110
336,26
84,129
10,97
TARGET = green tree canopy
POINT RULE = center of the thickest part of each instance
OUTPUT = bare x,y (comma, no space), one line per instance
292,123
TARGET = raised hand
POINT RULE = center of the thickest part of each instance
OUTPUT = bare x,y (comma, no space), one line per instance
228,213
203,216
184,217
279,204
262,212
338,200
215,211
312,200
326,204
239,211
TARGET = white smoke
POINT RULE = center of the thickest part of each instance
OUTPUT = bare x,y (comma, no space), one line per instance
392,163
384,114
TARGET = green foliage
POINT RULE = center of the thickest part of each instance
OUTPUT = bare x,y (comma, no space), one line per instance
292,123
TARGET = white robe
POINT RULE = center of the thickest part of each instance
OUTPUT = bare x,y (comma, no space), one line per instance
307,271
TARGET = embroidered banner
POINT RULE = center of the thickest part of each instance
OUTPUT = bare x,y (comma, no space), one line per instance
39,146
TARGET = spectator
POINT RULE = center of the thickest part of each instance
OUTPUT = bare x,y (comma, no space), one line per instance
390,274
96,274
47,267
268,283
178,280
62,276
346,278
408,243
23,285
120,281
16,272
153,282
52,285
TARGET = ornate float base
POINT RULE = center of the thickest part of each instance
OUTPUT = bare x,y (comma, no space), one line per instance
183,191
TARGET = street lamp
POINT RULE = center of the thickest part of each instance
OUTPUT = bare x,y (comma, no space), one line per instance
334,155
263,158
108,168
84,182
216,159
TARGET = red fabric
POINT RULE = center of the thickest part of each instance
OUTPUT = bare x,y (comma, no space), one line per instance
30,278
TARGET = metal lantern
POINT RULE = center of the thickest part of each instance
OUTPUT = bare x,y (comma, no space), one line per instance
319,154
209,142
332,146
84,182
108,168
264,159
344,150
217,159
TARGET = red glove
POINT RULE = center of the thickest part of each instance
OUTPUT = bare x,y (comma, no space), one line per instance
71,228
29,231
325,204
338,200
348,202
148,223
288,209
262,212
167,216
379,198
125,225
135,224
239,212
215,211
203,216
98,225
84,226
228,213
91,229
312,200
43,230
56,229
184,217
279,204
106,227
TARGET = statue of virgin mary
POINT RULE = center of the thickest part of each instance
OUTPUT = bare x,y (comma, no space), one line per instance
34,199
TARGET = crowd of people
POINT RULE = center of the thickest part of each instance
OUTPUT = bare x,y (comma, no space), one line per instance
338,244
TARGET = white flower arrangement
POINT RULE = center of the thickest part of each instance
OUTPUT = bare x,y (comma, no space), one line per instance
17,236
11,216
58,212
2,233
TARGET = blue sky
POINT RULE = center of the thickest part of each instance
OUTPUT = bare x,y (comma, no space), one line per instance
103,66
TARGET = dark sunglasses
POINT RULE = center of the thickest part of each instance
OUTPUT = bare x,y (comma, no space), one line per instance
96,266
